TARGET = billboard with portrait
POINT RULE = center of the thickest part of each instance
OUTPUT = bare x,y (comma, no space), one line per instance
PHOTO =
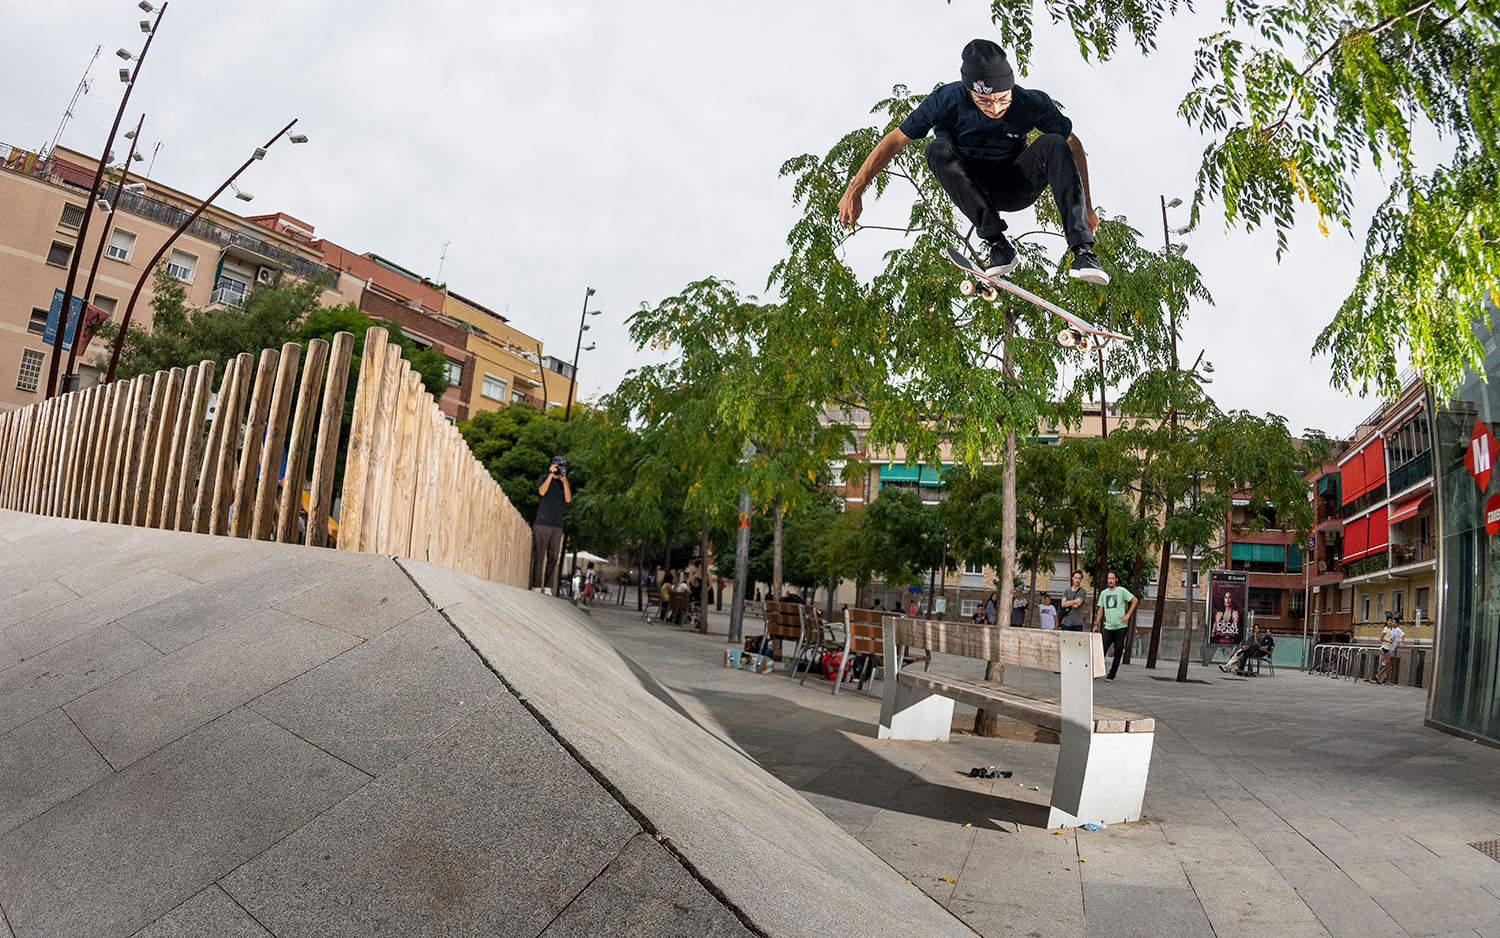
1228,597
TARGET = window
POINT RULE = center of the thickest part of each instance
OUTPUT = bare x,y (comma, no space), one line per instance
455,372
59,253
517,397
72,216
968,607
121,245
1296,603
1420,606
1396,598
181,265
1366,616
493,387
106,303
1183,578
1265,602
31,370
38,323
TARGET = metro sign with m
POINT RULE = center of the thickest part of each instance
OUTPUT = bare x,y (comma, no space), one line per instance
1480,458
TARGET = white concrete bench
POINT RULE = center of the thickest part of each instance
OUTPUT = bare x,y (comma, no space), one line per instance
1104,754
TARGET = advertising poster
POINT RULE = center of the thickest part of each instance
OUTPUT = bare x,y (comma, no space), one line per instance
1228,596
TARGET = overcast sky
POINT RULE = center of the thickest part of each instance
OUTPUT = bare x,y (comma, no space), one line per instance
630,146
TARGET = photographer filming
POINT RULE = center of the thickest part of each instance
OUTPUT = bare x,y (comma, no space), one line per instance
547,532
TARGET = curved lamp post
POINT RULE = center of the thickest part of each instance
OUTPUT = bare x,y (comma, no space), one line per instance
128,76
578,347
260,152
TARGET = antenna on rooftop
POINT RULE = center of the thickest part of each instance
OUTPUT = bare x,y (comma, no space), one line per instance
442,260
79,92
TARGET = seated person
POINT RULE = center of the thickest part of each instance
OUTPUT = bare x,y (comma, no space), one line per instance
1260,647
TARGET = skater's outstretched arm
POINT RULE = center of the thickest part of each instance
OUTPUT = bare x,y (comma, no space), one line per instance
885,151
1081,159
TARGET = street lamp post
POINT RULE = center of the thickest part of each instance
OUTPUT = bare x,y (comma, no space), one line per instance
578,347
259,153
88,207
1158,612
134,137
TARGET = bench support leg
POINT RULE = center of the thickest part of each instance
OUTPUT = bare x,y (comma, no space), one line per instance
909,713
1113,781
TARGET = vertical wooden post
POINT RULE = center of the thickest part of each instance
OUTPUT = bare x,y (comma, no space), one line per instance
353,519
297,441
188,476
330,429
263,516
255,430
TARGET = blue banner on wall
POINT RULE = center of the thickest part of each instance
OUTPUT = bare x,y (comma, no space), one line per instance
49,337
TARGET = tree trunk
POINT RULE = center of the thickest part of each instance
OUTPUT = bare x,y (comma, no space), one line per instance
1031,606
1135,574
741,570
1158,614
640,578
703,578
986,722
1187,630
776,583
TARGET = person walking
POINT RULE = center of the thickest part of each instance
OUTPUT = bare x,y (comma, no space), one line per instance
1116,603
547,532
1073,600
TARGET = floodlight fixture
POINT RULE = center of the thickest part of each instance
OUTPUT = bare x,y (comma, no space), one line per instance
129,135
590,347
1208,368
136,187
1174,203
298,138
591,291
1183,230
146,7
241,194
1179,249
259,154
139,158
103,205
125,75
145,26
125,54
595,312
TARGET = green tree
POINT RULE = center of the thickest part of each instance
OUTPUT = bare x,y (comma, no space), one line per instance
1298,100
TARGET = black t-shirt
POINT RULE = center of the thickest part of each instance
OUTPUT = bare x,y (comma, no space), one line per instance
549,511
952,112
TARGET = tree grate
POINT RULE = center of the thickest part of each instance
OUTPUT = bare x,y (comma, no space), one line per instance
1490,848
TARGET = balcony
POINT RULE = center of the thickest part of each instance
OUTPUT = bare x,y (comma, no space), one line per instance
226,295
1417,552
1411,472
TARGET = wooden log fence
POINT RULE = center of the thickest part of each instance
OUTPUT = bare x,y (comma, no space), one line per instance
146,453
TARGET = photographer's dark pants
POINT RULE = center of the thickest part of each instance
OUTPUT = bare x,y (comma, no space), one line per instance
982,190
546,556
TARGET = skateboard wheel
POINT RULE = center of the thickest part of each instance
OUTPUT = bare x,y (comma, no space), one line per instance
968,287
991,294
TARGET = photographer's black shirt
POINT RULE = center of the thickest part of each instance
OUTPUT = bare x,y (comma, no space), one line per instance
549,511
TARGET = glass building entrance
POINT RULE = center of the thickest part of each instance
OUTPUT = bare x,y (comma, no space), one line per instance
1464,692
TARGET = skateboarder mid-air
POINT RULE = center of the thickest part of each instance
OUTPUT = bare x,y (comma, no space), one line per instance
981,158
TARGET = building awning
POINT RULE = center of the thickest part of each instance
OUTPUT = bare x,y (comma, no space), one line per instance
1239,502
1408,508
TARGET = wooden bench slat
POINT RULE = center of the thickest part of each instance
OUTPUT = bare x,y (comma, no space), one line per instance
1026,648
1032,707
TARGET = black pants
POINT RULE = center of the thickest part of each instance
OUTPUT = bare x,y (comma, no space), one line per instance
546,555
1115,637
982,190
1250,653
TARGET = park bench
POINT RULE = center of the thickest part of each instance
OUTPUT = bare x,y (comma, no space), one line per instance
682,609
1104,754
791,622
864,635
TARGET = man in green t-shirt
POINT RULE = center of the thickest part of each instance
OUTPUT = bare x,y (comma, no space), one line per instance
1116,605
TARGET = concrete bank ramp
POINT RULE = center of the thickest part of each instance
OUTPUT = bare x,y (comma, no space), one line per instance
204,736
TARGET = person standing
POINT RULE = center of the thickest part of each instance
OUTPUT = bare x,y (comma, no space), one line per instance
991,608
1390,643
1047,612
547,532
1115,606
1073,600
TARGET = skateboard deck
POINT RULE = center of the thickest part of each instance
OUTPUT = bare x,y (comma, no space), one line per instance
1078,323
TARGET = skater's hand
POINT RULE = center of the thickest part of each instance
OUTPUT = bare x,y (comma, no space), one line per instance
850,207
1092,217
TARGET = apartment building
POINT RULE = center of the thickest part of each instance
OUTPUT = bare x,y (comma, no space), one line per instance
218,258
508,367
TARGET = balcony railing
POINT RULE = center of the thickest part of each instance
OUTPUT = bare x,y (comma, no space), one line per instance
1403,554
24,162
1411,472
229,296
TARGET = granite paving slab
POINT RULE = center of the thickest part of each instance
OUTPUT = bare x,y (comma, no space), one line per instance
139,843
374,704
139,712
645,892
42,763
72,669
86,612
209,913
490,829
365,600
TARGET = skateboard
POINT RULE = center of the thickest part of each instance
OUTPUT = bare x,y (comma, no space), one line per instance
1079,329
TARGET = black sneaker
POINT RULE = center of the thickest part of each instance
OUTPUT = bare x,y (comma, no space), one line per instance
1003,258
1086,267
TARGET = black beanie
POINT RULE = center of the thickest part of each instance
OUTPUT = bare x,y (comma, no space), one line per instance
985,68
